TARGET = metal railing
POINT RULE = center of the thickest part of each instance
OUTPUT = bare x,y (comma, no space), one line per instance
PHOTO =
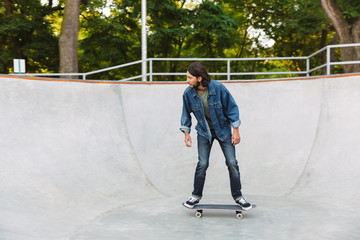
228,61
228,73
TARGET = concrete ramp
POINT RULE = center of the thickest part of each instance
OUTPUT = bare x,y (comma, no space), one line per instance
66,157
92,160
332,168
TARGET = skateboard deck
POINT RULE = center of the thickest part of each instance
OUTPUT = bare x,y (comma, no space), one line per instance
226,207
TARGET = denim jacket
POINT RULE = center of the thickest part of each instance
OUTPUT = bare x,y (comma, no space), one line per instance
224,112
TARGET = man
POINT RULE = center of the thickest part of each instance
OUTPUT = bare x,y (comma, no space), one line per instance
216,113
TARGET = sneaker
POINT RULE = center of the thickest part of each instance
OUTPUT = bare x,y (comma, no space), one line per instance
243,203
191,202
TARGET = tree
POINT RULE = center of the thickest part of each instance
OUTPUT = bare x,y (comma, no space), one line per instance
249,16
297,27
347,25
212,32
68,40
110,40
26,32
169,27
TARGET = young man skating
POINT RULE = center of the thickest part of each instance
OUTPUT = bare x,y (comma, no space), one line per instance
218,118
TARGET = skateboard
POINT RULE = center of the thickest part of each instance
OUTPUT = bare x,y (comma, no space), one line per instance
200,207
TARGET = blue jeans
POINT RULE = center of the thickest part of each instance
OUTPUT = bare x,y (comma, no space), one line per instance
204,148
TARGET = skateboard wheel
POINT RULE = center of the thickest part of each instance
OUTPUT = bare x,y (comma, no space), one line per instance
198,214
239,215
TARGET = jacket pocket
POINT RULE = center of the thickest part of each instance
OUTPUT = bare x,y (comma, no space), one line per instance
217,106
195,108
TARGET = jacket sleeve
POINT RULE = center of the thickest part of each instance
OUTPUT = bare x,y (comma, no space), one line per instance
185,116
231,109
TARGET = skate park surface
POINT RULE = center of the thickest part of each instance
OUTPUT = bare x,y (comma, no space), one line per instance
93,160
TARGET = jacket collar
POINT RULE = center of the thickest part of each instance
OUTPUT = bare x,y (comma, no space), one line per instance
211,88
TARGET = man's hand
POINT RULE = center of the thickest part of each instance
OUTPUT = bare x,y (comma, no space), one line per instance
188,142
235,139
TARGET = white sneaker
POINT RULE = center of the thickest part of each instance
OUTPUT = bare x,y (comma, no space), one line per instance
243,203
191,202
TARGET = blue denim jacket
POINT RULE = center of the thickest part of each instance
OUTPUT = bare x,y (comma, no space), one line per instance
224,112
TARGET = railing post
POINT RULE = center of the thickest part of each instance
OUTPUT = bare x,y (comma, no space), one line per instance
328,49
143,40
151,70
307,66
228,69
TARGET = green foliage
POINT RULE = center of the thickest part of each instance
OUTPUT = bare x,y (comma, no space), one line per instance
298,28
26,33
168,28
350,9
108,42
213,31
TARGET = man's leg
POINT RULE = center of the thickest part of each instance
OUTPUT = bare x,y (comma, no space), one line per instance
232,164
204,148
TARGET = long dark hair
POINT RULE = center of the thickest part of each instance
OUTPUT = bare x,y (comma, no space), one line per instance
197,69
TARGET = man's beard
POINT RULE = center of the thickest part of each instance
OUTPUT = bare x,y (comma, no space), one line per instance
196,86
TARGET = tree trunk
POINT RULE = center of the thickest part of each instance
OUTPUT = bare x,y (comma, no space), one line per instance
347,33
68,40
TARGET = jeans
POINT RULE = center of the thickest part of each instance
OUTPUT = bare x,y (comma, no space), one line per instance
204,148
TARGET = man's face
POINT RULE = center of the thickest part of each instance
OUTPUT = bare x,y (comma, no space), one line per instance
193,81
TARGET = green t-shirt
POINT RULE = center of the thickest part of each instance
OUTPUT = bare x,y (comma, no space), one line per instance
204,99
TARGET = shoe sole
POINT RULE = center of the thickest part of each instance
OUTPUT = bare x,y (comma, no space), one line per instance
245,208
189,206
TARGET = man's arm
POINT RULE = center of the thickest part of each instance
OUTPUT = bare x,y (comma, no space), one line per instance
235,139
186,121
230,108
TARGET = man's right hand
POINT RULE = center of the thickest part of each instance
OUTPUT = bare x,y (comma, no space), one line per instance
188,141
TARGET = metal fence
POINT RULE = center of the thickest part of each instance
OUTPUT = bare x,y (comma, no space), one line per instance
228,73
